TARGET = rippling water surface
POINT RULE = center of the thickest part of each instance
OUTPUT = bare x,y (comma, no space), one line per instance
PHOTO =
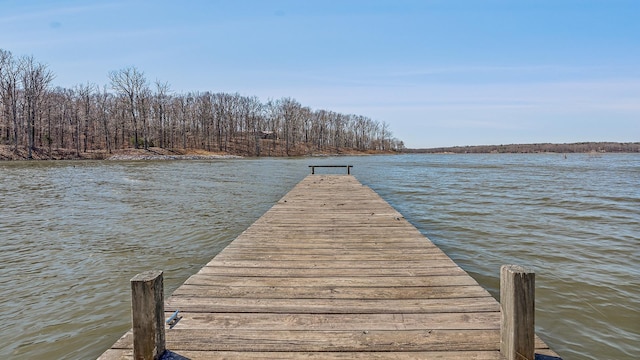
72,234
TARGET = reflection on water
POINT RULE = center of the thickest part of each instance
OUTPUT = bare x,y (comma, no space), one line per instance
72,234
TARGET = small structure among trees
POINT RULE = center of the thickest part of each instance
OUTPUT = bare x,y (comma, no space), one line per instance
268,135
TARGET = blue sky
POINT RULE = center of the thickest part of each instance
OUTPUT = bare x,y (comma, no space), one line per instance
441,73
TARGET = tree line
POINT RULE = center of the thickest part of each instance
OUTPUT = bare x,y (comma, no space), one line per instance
131,112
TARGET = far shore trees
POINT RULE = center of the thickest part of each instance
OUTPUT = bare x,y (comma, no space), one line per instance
88,117
581,147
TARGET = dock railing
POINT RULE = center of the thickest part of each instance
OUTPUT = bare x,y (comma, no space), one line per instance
313,168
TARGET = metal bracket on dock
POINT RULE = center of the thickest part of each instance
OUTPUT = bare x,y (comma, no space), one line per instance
313,168
173,320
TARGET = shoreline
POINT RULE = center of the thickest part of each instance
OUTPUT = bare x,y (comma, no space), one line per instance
169,157
7,153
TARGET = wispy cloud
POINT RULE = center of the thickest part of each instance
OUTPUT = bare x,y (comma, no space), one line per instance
51,10
494,69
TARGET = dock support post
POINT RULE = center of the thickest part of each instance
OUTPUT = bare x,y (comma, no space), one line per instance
147,315
517,302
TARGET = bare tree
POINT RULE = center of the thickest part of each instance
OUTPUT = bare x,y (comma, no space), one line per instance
85,93
9,77
104,104
385,137
160,106
252,113
35,80
290,114
64,116
5,57
130,83
144,103
185,104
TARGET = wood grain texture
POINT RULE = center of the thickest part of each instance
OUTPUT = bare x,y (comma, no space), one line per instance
147,315
517,294
331,271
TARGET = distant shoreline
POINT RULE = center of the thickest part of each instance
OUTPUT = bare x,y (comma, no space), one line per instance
580,148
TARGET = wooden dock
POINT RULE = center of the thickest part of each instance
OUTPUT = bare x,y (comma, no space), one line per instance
331,271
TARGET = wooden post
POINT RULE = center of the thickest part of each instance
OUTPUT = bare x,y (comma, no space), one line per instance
517,302
147,315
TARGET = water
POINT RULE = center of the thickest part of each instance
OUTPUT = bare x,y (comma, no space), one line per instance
72,234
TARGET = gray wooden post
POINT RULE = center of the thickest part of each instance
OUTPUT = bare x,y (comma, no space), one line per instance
517,301
147,315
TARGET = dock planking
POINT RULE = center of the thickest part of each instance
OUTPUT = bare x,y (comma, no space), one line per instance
331,271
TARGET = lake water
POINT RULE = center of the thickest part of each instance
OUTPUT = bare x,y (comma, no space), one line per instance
73,233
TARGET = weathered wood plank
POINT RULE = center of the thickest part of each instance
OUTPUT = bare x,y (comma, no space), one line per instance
390,281
332,306
331,292
331,272
295,321
119,354
361,340
329,257
286,254
329,244
328,264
